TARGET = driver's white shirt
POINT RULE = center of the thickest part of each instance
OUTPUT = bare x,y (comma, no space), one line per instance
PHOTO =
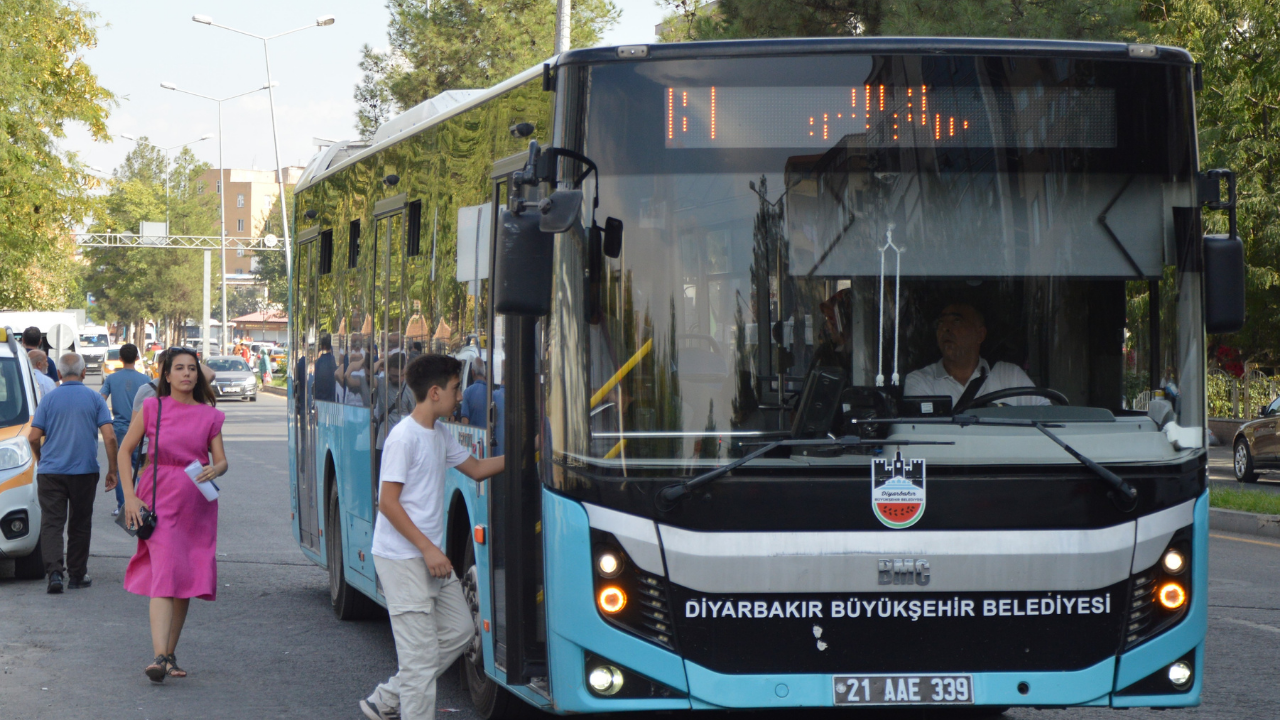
935,380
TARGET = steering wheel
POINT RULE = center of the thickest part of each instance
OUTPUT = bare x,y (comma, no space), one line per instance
984,400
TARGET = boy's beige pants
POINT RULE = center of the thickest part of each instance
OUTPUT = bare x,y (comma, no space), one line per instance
432,626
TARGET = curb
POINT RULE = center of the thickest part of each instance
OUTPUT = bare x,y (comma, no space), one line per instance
1244,523
273,390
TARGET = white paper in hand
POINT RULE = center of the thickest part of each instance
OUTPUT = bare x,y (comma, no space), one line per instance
208,489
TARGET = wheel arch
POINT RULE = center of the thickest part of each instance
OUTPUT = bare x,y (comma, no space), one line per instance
458,529
322,504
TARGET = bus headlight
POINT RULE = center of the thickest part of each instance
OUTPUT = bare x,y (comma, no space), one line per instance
1172,596
1173,561
612,600
14,453
609,564
605,680
1180,674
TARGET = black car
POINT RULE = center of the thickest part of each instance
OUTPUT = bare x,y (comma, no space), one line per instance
233,378
1256,445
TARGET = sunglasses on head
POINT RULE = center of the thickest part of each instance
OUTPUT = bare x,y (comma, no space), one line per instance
181,351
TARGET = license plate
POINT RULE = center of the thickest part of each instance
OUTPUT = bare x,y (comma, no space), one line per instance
903,689
230,390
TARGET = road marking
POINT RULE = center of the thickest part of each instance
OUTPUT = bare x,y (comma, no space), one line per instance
1244,540
1254,625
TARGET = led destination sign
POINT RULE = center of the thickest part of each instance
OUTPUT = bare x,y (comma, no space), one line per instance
881,116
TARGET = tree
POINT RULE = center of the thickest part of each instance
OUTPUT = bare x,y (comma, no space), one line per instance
271,267
439,45
136,285
1238,112
44,84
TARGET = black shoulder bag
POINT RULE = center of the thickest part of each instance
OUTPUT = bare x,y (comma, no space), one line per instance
148,514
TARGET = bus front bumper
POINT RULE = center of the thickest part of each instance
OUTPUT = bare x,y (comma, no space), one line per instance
576,629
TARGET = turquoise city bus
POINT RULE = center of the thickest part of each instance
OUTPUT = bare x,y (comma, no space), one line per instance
830,372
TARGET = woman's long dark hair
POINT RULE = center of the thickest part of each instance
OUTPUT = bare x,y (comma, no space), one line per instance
202,392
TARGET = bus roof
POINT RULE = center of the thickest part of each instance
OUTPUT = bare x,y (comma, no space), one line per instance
433,111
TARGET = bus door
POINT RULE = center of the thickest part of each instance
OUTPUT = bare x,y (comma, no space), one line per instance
387,308
304,389
515,498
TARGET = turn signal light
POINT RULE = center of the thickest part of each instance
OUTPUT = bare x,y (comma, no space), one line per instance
612,600
1172,596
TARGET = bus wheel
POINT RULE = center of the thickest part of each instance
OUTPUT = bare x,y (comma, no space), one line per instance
1243,462
348,603
492,702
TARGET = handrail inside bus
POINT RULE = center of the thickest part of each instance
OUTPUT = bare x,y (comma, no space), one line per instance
622,372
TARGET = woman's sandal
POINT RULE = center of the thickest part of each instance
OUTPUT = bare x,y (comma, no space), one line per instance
156,670
174,671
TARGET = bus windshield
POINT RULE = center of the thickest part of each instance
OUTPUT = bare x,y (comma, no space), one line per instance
813,243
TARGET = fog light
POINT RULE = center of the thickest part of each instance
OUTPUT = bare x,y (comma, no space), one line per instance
612,600
1172,596
17,526
1180,674
1174,562
608,564
605,680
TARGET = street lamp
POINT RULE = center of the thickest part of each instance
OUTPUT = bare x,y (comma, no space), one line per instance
322,21
222,195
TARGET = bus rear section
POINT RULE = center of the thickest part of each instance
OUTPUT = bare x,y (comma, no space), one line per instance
891,393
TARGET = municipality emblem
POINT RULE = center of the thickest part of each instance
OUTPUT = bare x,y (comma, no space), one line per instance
897,491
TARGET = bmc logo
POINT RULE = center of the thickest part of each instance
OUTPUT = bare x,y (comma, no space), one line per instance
907,571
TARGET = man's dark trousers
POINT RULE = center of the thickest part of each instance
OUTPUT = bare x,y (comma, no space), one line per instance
57,492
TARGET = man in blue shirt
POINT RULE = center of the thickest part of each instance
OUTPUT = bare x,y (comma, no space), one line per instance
69,420
475,397
119,388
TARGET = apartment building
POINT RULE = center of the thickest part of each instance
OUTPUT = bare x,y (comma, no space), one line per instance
248,197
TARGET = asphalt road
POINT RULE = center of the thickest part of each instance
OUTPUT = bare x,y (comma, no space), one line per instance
1222,473
270,646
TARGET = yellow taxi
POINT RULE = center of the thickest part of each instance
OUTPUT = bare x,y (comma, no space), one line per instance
19,504
114,363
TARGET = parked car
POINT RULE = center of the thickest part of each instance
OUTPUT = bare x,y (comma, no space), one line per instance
1256,445
233,378
19,505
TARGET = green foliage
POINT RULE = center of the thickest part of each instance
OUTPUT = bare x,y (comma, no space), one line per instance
455,44
271,265
44,84
1078,20
1254,501
1239,43
134,285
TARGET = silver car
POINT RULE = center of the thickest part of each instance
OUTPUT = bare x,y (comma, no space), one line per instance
233,378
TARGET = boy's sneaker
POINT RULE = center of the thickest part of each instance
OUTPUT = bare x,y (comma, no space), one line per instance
375,710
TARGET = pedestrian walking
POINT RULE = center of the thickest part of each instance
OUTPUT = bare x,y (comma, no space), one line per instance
32,339
264,367
119,389
64,437
177,562
40,362
429,615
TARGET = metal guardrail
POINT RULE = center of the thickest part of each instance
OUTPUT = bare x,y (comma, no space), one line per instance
187,242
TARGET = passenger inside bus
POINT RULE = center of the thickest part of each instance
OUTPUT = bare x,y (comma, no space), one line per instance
962,371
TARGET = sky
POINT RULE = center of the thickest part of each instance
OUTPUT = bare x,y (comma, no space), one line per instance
142,43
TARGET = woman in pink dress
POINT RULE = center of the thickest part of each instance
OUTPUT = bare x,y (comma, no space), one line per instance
178,561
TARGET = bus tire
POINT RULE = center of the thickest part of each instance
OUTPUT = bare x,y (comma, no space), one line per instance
492,702
348,603
1242,462
30,567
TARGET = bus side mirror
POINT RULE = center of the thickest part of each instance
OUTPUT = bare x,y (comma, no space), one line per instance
522,268
559,211
1223,283
612,237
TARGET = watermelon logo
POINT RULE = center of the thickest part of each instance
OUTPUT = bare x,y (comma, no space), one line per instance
897,491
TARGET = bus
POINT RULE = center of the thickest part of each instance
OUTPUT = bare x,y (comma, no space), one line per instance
741,309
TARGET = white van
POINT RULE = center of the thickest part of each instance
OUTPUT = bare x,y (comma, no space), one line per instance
19,504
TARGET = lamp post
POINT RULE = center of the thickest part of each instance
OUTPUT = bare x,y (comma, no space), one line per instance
322,21
222,194
204,326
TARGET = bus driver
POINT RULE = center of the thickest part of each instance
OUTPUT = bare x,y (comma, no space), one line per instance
961,330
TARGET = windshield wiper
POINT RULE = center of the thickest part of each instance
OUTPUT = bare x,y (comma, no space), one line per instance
1115,481
668,496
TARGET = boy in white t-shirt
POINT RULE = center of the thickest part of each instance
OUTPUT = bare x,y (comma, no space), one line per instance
429,616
